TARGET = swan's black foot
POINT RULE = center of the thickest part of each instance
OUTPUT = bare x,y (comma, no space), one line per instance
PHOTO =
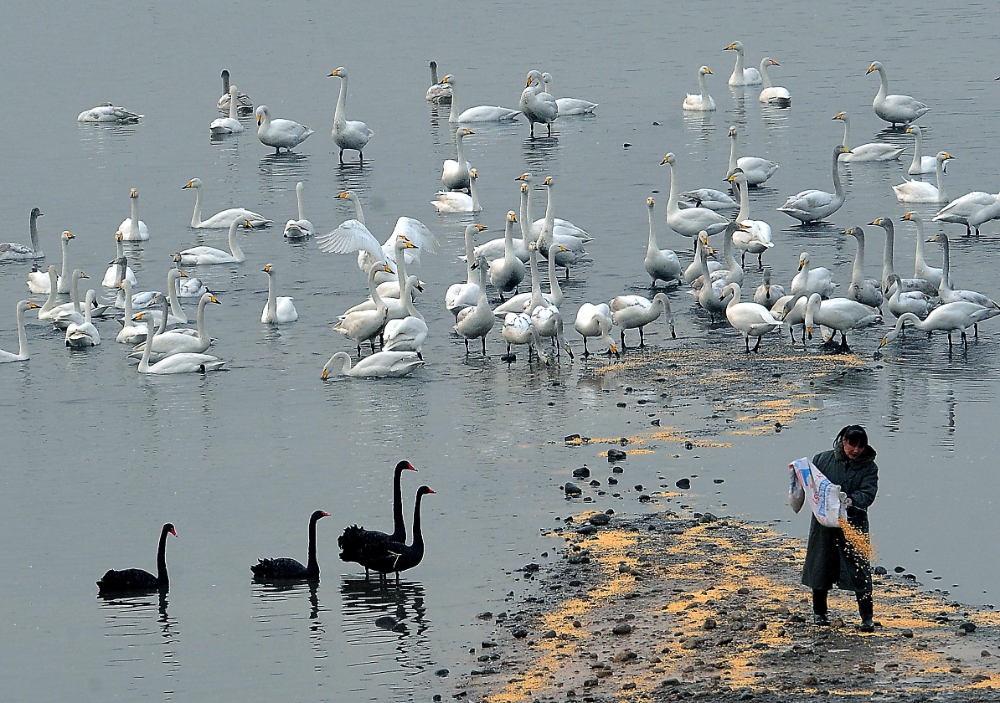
421,356
756,346
509,358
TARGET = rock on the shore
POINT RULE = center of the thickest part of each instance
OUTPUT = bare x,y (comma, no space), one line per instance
622,628
683,484
616,455
572,490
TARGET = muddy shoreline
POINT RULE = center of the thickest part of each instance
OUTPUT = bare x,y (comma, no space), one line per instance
678,604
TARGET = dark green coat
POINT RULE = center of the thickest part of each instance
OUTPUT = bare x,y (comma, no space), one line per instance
829,560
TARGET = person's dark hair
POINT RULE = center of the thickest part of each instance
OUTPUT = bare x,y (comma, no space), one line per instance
855,434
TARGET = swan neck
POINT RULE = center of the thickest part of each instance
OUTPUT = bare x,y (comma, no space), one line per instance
150,333
550,218
33,228
298,199
196,215
22,338
918,147
470,246
522,212
703,87
508,241
373,290
883,85
312,566
128,303
225,83
744,213
91,294
202,304
50,302
175,304
847,133
838,187
536,284
887,253
858,273
75,291
732,153
738,69
672,208
398,526
765,79
135,218
359,214
475,195
411,310
434,74
945,284
939,172
418,537
65,264
530,210
161,560
453,112
554,289
338,116
233,104
234,247
459,138
653,245
727,249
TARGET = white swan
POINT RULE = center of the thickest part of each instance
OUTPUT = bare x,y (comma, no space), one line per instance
132,228
560,226
384,364
864,290
814,205
525,302
694,271
109,112
772,95
895,109
62,315
702,101
220,220
365,325
300,228
278,132
912,301
518,329
548,321
811,279
22,338
507,273
635,311
753,236
13,251
182,362
949,294
567,249
84,334
53,293
178,341
568,106
231,124
920,164
177,314
494,248
751,319
920,268
660,264
767,293
595,321
536,104
742,76
450,201
711,294
690,221
203,256
921,192
732,272
951,318
756,169
278,309
131,333
455,173
476,321
888,269
189,286
972,210
348,134
39,282
839,314
438,92
119,269
243,102
463,295
708,198
873,151
410,332
791,309
480,113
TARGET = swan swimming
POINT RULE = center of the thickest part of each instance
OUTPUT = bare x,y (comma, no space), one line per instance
300,228
742,76
203,256
568,106
455,173
873,151
243,102
183,362
690,221
894,109
756,169
814,205
921,192
450,201
701,101
383,364
480,113
109,112
772,95
13,251
220,220
22,340
278,309
231,124
439,92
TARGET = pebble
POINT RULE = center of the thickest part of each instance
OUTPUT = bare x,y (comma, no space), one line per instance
572,489
582,472
709,624
487,644
899,569
617,470
612,481
968,627
743,591
548,635
572,437
520,633
907,633
386,622
616,455
638,486
622,628
485,615
600,519
683,484
810,681
442,672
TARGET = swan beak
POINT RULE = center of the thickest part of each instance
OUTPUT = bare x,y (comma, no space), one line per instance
810,331
249,224
173,531
420,287
708,70
325,374
801,264
838,116
731,178
774,63
215,300
133,194
877,222
189,185
729,48
870,69
31,305
83,275
527,83
480,227
906,216
614,350
267,269
70,235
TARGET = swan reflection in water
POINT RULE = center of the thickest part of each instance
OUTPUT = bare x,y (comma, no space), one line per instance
279,605
370,606
133,623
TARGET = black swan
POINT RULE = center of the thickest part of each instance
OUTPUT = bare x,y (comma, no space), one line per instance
288,569
385,555
361,536
138,580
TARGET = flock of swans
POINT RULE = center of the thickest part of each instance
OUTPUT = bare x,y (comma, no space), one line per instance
391,318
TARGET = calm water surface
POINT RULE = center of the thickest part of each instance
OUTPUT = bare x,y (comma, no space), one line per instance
97,457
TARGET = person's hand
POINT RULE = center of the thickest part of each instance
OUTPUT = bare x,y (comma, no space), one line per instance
848,502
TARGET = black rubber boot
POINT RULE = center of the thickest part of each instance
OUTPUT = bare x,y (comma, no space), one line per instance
820,616
866,609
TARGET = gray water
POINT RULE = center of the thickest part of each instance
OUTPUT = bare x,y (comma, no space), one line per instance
97,456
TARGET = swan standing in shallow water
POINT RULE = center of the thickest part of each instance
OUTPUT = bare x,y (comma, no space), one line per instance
279,133
864,290
702,101
132,228
814,205
109,112
12,251
751,319
220,220
873,151
920,192
912,301
348,134
300,228
243,102
455,173
183,362
595,321
383,364
439,92
278,309
894,109
450,201
409,333
691,221
920,164
946,292
755,169
365,325
753,236
742,76
767,293
920,268
196,256
838,314
537,105
812,280
22,339
772,95
231,124
660,264
972,210
507,273
84,334
463,295
480,113
951,318
635,311
905,284
568,106
476,321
